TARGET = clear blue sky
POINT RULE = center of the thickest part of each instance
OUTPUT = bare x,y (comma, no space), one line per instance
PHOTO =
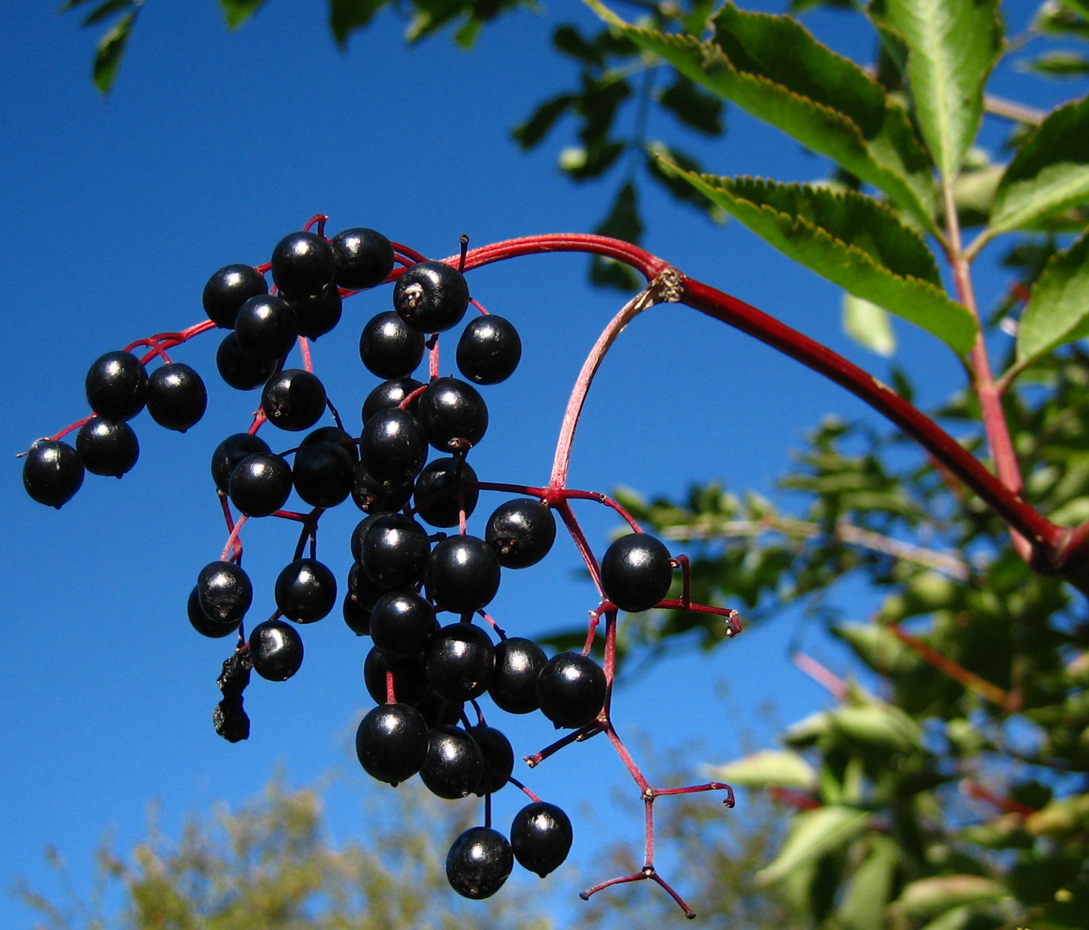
211,148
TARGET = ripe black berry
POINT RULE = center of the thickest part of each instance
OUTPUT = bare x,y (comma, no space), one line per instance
431,297
230,452
302,263
176,396
306,590
402,624
462,574
444,489
390,394
224,593
636,572
322,473
52,472
453,414
293,399
372,496
454,766
107,447
409,677
389,347
239,370
260,484
498,758
571,689
204,624
460,662
318,313
364,258
228,289
521,532
393,447
518,663
479,863
394,551
117,386
540,837
391,742
276,650
359,600
266,327
489,350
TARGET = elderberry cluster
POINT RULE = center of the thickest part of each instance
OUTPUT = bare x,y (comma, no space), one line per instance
419,581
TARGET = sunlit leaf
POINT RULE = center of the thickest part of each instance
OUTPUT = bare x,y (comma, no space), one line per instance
1058,310
106,10
761,769
812,834
786,78
110,51
879,725
1049,173
928,897
853,241
868,892
951,47
868,325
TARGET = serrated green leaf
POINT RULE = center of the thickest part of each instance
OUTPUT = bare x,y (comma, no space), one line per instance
929,897
1058,309
236,12
812,834
952,45
106,10
110,51
1049,173
803,88
782,768
868,325
659,158
345,16
852,240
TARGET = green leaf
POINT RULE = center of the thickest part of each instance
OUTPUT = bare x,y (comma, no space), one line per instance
786,78
882,725
1058,310
106,10
692,106
951,47
345,16
110,51
623,222
868,325
812,834
929,897
533,130
659,160
868,892
236,12
1049,173
782,768
1059,64
853,241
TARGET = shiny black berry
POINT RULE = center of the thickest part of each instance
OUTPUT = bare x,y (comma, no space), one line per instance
230,452
453,414
402,624
302,264
306,590
444,489
52,472
498,758
393,446
489,350
636,572
409,677
107,447
176,396
239,370
395,551
571,689
204,624
228,289
117,386
521,532
322,473
460,662
360,596
431,297
518,663
462,574
364,258
454,765
373,496
266,327
540,837
260,484
224,592
318,313
391,742
389,347
293,399
479,863
390,393
276,650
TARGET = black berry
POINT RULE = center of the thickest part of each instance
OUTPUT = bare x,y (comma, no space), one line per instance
224,593
228,289
260,484
117,386
636,572
479,863
239,370
364,258
107,447
391,742
540,837
462,574
302,264
276,650
266,327
571,689
521,532
460,662
518,663
431,297
444,489
489,350
389,347
176,396
453,414
52,472
306,590
230,452
454,765
293,399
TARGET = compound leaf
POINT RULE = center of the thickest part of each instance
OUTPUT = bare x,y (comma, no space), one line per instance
951,47
852,240
1049,173
1058,309
773,68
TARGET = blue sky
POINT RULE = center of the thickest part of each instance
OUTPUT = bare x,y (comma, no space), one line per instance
212,147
